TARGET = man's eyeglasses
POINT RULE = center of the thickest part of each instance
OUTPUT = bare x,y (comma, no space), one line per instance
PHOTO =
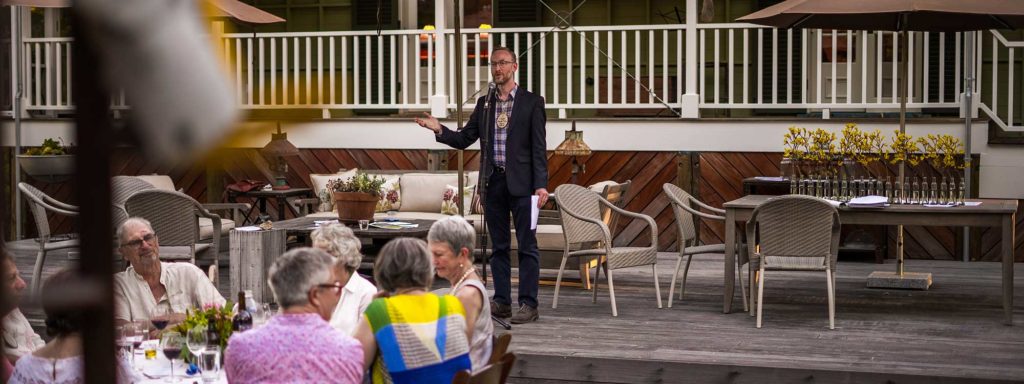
136,244
502,63
335,286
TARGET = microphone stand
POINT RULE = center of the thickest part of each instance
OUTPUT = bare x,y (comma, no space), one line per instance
482,182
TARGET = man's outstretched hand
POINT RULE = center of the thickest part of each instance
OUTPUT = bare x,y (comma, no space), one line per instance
429,122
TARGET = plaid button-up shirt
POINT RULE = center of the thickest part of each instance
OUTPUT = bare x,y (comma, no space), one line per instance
501,135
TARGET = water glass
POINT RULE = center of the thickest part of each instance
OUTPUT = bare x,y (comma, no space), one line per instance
261,314
209,364
364,224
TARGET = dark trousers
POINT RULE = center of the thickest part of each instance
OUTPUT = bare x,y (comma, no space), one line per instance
497,206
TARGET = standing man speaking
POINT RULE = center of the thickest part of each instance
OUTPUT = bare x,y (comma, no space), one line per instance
513,166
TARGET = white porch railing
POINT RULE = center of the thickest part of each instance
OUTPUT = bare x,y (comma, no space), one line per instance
597,68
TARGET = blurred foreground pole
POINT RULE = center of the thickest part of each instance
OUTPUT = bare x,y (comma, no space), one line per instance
92,188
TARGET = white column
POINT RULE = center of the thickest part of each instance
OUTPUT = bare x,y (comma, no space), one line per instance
439,100
690,99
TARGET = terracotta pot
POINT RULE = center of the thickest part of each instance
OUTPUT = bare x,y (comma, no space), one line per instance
354,206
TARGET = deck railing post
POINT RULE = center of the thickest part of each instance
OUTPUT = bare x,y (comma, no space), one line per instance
439,100
690,100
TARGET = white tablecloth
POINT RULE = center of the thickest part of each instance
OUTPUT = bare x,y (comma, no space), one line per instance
154,371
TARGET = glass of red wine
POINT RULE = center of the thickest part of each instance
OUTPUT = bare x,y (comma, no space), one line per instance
171,344
160,316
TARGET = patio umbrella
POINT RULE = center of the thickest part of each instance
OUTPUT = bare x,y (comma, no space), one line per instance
222,8
901,16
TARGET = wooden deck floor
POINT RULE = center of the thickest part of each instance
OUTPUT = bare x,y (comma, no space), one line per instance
951,333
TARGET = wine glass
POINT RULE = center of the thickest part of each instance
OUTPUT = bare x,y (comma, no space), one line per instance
171,343
134,332
197,340
160,316
123,342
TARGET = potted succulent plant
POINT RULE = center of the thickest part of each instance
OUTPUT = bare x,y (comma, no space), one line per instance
356,197
52,162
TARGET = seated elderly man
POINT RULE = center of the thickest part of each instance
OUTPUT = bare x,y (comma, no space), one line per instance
298,345
19,338
151,286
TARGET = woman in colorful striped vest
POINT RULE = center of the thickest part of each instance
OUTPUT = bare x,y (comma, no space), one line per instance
412,336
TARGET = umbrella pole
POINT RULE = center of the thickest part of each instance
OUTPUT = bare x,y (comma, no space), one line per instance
16,170
458,98
901,279
903,129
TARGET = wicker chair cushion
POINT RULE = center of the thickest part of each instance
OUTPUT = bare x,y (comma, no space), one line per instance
206,227
163,182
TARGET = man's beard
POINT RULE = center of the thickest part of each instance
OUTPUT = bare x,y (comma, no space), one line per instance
504,80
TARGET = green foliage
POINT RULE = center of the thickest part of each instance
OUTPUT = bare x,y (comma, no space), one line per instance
50,147
361,182
211,316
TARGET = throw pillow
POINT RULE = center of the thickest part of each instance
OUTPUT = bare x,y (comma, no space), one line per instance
390,196
319,184
421,192
449,202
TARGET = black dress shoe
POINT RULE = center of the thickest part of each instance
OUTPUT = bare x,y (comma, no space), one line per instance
525,314
503,311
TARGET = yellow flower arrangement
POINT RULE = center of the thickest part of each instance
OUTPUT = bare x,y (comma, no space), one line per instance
822,146
796,143
904,148
849,145
943,151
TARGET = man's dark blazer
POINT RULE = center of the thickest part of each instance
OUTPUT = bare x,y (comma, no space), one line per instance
526,163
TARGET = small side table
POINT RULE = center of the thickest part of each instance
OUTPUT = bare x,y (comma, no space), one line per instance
250,256
280,196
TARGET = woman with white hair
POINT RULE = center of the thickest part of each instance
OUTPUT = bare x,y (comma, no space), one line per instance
339,241
412,336
451,241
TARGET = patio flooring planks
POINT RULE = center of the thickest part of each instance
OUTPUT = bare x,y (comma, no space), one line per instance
951,333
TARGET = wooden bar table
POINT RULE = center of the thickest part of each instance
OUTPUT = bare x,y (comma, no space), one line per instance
994,213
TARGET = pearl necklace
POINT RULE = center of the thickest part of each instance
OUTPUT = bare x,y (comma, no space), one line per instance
466,274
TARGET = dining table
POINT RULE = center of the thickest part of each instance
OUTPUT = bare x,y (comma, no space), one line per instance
998,214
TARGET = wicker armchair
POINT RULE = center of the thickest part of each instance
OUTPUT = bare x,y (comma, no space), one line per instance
121,187
40,203
175,218
494,373
580,210
685,207
795,233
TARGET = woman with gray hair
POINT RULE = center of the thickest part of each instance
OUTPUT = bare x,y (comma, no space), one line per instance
412,336
339,241
451,242
298,345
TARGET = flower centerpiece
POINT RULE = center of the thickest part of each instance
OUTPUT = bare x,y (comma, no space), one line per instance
216,319
356,197
53,162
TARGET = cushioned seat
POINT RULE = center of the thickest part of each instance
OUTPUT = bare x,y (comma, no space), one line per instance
206,227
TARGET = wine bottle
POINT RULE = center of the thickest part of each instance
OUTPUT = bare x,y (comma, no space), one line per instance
243,319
